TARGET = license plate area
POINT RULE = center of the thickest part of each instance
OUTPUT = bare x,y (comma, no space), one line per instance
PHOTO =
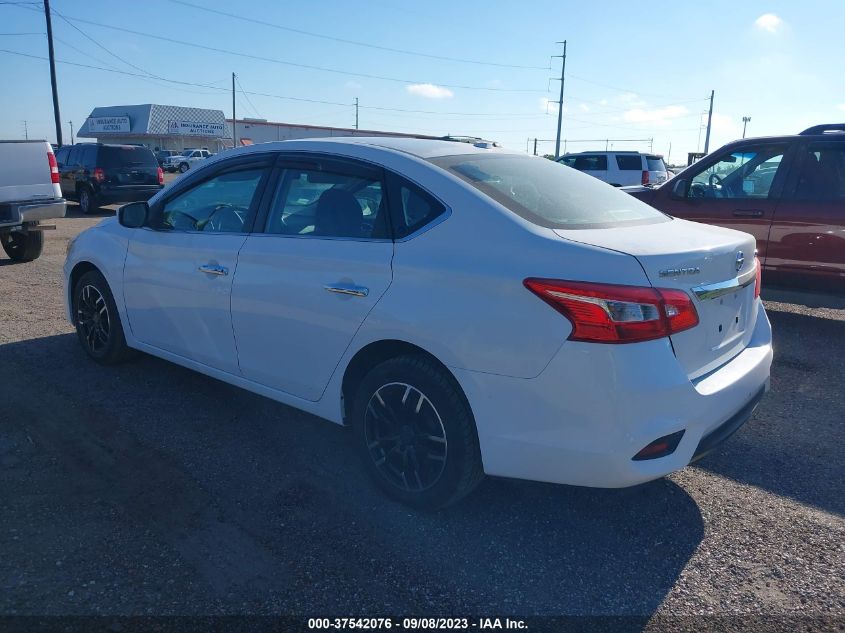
725,318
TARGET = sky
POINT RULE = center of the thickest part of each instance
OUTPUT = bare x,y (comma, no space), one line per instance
638,74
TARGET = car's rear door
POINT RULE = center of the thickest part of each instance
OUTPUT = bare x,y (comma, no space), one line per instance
318,262
179,270
808,231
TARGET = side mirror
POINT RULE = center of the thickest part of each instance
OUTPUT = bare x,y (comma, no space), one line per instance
680,188
133,215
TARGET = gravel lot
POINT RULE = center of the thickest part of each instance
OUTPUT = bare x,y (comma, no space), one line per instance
149,489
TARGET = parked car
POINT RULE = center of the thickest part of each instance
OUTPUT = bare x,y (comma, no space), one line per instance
29,193
787,191
95,174
587,338
163,154
187,159
619,168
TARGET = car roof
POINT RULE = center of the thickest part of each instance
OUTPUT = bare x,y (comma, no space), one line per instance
421,148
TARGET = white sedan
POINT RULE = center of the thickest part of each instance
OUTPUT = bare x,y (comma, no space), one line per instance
465,309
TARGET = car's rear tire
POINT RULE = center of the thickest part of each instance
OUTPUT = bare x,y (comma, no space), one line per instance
87,201
97,320
183,168
415,432
23,246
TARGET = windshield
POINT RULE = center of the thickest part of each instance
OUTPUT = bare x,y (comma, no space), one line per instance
549,194
655,163
112,156
187,152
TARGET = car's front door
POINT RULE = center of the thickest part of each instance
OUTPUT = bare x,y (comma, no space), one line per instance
308,280
738,189
808,232
178,272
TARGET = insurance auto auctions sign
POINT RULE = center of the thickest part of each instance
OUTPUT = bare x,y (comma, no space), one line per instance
192,128
108,124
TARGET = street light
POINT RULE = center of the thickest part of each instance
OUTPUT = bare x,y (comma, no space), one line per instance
745,121
71,131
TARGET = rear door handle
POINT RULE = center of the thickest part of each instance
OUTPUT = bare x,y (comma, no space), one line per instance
212,269
748,213
348,289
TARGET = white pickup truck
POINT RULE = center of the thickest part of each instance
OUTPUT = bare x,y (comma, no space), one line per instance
29,193
187,159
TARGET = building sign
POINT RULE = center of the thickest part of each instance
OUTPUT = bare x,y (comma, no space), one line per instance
191,128
108,124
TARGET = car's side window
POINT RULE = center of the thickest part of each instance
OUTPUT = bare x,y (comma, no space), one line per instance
411,207
629,162
746,173
61,156
73,156
224,203
329,202
822,175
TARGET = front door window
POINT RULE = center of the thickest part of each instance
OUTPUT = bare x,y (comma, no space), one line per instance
745,174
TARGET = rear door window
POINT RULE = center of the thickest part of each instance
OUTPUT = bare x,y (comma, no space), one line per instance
411,207
822,175
586,162
629,162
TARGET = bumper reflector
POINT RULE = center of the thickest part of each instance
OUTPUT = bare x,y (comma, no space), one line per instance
661,447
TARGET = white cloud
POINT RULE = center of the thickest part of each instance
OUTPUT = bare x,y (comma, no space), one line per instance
841,106
584,107
768,22
658,116
430,91
352,85
630,99
603,102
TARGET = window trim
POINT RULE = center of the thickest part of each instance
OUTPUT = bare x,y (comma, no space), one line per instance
241,163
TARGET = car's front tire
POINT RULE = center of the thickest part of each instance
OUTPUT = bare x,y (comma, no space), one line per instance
183,168
415,432
23,246
97,321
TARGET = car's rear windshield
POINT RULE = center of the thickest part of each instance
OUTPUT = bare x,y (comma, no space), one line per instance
132,156
655,163
548,193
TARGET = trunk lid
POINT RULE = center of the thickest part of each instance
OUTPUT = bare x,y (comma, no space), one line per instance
715,266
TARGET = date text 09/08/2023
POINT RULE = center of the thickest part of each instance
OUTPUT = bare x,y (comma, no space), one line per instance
416,624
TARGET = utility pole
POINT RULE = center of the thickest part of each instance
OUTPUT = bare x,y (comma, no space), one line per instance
560,102
535,147
53,73
745,121
25,130
234,116
356,113
71,131
709,123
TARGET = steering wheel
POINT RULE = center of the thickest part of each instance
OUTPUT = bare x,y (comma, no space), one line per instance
218,225
193,220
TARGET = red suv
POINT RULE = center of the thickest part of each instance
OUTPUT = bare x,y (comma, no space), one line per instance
787,191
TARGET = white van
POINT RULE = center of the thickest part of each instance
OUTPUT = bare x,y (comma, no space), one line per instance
619,169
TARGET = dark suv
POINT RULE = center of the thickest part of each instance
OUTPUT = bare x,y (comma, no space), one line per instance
96,174
787,191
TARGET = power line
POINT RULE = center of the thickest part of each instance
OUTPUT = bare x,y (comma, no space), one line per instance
296,64
617,88
355,42
247,98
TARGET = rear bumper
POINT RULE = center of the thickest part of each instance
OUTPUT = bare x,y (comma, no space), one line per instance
17,213
140,193
582,420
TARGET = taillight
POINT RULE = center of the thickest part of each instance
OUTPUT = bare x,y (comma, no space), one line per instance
645,177
607,313
54,168
758,280
160,176
98,174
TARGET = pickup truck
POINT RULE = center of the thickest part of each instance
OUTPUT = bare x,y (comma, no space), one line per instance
187,159
29,193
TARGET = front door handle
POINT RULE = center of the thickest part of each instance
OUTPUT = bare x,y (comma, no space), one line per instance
748,213
348,289
213,269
